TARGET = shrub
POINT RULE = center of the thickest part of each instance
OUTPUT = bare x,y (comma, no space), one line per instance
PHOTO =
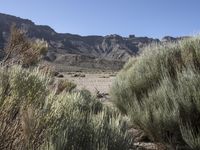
23,51
33,117
22,96
64,85
159,91
76,126
191,137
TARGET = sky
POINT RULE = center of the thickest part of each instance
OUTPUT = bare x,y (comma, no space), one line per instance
152,18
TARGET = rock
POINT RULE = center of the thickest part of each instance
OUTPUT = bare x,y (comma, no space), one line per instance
104,76
168,39
78,75
55,73
60,75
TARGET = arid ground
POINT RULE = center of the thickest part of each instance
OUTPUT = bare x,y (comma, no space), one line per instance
92,81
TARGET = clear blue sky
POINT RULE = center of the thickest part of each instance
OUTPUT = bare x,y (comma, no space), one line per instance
153,18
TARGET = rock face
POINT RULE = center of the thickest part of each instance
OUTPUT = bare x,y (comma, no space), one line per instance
85,61
109,48
173,39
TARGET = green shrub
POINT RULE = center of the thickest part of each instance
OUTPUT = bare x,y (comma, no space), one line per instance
191,137
64,85
159,91
22,96
33,116
77,125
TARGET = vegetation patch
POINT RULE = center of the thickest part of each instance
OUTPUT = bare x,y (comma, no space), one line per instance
21,50
38,111
33,116
159,91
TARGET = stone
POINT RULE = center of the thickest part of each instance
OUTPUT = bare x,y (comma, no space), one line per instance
60,75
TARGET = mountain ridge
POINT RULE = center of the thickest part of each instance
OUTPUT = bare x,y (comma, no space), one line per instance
111,47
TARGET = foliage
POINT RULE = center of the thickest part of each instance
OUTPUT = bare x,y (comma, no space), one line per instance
159,91
76,126
32,116
22,96
64,85
191,137
23,51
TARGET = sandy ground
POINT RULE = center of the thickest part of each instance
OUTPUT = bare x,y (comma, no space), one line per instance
92,81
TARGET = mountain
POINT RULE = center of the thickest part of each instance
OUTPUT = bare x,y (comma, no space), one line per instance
91,49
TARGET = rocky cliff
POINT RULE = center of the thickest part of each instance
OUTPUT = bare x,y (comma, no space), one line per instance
111,47
107,47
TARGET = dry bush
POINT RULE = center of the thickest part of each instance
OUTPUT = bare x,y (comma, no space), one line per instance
21,50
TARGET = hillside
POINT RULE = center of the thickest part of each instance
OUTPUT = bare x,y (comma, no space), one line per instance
112,47
93,51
